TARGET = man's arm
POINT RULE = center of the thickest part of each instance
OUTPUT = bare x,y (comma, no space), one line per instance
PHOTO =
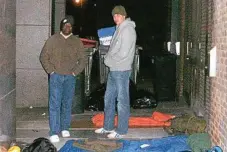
127,42
45,59
82,59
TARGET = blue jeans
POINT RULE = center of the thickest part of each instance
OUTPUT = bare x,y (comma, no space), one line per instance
61,94
117,90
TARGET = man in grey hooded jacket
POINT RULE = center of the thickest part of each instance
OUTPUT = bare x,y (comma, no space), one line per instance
119,59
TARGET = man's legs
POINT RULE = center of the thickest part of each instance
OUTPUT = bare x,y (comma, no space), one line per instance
109,103
123,106
55,97
68,95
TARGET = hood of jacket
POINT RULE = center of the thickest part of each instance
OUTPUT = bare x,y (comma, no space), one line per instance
127,22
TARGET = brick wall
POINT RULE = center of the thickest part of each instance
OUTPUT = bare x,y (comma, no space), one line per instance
208,28
218,101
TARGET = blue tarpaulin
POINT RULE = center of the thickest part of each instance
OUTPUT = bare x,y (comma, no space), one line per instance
167,144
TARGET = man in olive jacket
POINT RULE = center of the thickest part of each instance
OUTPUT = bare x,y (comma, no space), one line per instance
62,57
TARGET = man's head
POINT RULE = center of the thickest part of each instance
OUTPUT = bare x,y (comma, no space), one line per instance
119,14
66,26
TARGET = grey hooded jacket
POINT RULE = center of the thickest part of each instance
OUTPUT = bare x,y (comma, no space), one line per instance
122,48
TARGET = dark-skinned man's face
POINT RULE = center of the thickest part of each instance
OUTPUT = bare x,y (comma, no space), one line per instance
67,29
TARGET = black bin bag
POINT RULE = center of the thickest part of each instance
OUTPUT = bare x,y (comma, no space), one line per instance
95,101
144,99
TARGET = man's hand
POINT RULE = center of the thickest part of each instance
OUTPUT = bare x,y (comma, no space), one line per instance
73,74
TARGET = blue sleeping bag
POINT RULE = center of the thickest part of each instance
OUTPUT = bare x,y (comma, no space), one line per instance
167,144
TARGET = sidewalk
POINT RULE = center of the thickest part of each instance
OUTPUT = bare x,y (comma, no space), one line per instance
33,123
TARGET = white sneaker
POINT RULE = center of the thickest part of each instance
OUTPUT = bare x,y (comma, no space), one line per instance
103,131
65,133
114,135
54,138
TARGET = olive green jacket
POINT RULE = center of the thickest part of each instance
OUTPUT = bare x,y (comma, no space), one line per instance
63,56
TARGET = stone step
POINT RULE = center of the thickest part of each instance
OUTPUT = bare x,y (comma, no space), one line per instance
33,125
39,121
28,135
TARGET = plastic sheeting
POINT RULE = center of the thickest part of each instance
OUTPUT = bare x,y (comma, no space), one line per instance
156,120
167,144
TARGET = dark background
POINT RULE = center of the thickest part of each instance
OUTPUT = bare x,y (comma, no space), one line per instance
157,67
151,18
